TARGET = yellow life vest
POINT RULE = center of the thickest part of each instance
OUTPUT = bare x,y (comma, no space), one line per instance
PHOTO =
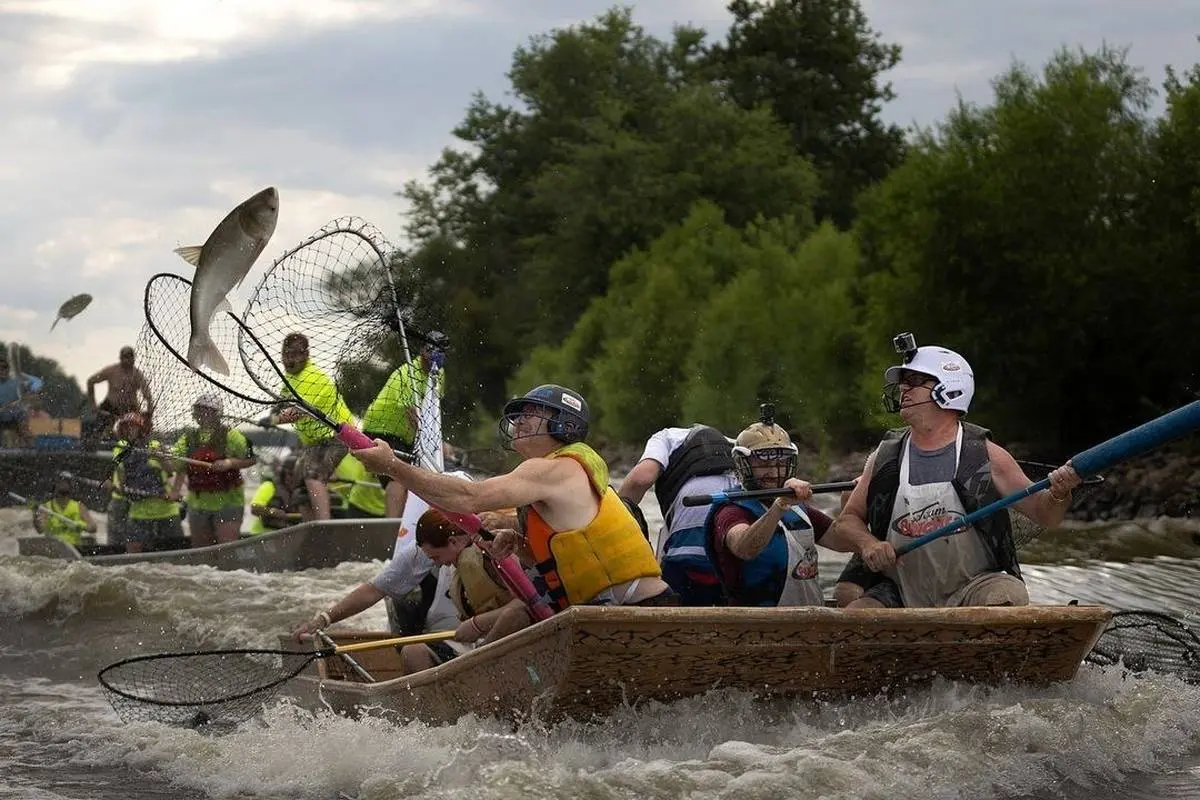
473,589
608,551
61,529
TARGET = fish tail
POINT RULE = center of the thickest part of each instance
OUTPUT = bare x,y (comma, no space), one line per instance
203,352
56,319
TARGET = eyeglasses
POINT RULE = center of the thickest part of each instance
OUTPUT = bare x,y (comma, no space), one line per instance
915,379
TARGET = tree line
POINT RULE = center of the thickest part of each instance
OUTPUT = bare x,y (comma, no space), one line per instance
684,228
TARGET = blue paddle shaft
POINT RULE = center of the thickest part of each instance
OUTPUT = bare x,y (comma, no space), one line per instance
1141,439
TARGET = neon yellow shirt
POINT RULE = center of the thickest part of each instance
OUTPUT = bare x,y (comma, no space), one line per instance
404,388
315,388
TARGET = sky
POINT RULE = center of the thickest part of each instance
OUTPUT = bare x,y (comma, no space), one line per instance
130,127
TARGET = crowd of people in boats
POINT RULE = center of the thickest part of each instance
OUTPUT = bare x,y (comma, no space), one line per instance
156,486
580,541
574,538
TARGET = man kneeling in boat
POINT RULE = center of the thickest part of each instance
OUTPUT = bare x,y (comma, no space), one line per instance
63,517
924,476
576,530
766,555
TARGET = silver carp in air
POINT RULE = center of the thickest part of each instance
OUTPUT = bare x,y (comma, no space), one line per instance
72,308
221,263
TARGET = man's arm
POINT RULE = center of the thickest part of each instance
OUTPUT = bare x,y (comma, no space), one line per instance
532,481
144,386
87,518
99,377
1008,477
640,479
849,532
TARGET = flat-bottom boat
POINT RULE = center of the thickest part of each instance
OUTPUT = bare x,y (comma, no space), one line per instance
588,660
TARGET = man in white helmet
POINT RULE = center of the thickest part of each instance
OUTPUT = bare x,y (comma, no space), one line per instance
924,476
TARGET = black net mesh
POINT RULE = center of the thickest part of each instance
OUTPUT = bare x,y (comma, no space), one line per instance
1023,528
217,687
1148,641
162,350
337,289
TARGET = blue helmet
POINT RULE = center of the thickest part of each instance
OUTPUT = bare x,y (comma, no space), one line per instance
568,424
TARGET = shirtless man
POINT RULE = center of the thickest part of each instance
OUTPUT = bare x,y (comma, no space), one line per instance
124,382
586,544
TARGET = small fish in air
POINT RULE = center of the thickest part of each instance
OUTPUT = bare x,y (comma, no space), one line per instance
72,308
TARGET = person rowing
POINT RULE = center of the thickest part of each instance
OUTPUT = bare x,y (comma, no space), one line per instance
937,469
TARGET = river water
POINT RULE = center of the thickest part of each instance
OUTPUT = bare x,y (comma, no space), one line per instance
1100,736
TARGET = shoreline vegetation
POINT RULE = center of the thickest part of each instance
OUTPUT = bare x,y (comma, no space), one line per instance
684,227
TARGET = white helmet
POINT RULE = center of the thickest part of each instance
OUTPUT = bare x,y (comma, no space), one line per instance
956,380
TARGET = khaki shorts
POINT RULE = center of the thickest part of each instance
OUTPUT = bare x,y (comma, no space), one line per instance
989,589
992,589
318,461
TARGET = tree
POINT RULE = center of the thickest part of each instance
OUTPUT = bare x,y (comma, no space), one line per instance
614,141
1011,234
818,65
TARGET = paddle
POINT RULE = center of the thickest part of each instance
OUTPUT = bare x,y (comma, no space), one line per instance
1135,442
71,476
221,686
756,494
43,507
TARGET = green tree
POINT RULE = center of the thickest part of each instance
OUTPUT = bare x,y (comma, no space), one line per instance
818,65
614,140
1011,234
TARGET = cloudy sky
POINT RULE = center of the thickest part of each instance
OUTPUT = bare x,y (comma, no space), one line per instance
130,127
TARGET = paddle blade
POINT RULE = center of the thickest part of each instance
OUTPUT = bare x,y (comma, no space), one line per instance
216,687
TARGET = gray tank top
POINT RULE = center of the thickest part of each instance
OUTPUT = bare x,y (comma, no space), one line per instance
932,466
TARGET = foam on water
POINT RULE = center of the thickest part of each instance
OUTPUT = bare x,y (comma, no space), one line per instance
948,741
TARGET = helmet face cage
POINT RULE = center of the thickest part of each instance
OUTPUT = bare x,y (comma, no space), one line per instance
560,424
782,460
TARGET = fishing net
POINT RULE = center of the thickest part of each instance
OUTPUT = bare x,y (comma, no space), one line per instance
162,350
218,687
1148,641
1024,529
338,288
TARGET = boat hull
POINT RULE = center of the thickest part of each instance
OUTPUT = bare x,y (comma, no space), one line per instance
589,660
309,545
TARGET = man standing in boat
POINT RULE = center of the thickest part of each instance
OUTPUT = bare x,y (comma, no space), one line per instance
214,456
14,415
679,462
125,382
923,476
575,529
393,414
146,481
320,451
767,555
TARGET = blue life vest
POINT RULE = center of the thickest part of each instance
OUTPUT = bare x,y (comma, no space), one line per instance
759,581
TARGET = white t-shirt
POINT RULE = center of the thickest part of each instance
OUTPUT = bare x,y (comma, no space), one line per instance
409,565
659,448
